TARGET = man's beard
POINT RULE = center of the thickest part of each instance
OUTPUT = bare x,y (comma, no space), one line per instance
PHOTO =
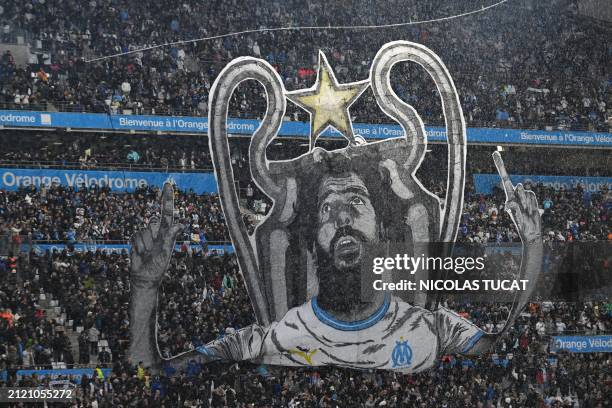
340,273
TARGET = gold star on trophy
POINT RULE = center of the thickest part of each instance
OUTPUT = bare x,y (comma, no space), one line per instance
328,102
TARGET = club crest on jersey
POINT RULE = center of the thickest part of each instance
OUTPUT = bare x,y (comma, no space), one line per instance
401,354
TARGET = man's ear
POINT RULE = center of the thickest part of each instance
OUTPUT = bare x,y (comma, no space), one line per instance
312,252
383,235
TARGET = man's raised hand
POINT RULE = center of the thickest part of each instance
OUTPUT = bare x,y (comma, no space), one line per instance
152,246
521,204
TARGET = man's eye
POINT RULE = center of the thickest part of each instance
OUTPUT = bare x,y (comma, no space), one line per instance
357,201
325,208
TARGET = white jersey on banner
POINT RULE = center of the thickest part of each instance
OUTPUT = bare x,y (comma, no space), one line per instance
398,336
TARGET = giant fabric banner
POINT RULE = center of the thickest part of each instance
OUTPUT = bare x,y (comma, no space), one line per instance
126,181
582,344
484,183
291,129
320,269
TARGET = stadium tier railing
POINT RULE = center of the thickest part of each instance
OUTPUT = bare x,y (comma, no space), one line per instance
27,243
17,36
44,164
25,239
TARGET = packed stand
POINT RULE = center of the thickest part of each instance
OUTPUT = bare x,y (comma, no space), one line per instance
101,151
202,298
28,337
191,153
528,379
510,63
567,215
209,294
72,215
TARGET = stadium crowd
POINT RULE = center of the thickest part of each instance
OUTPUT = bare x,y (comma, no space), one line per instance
526,64
113,151
204,298
27,336
528,379
68,214
568,215
511,63
191,153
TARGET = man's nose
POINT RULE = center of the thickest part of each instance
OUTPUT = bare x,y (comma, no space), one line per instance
343,219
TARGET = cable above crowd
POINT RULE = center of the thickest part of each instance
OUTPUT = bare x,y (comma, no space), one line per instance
511,64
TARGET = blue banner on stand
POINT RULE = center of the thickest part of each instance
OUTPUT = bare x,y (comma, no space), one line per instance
188,124
582,344
120,248
484,183
75,373
126,181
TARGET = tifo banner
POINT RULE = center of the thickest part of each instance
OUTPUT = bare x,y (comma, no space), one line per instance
127,181
119,248
582,344
484,183
75,373
299,129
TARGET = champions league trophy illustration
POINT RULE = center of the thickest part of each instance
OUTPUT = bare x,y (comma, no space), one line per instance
331,211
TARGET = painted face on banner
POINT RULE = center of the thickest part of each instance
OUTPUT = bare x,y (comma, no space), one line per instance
346,220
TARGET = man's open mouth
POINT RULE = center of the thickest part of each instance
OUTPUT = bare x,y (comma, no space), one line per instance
347,247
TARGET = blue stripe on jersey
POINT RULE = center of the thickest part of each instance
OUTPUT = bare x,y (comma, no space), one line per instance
329,320
473,341
203,349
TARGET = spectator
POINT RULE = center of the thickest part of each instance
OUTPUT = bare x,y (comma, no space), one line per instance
93,335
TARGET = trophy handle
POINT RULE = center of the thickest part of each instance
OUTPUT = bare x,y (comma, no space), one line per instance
234,73
414,130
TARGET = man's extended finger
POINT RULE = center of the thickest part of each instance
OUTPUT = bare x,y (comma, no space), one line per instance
514,210
176,230
134,244
154,225
501,169
533,202
167,205
521,195
147,238
169,238
512,206
527,199
140,246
